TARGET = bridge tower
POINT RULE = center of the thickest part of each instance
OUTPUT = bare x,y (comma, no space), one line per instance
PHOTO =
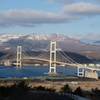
7,63
52,58
80,73
19,56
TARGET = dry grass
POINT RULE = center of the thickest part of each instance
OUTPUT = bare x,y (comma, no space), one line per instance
57,85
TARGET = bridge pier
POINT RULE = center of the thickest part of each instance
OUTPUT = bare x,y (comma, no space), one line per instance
91,74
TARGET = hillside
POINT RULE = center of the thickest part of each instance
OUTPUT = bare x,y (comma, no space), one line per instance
38,42
75,56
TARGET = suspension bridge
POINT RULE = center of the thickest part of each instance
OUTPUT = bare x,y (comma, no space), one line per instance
52,54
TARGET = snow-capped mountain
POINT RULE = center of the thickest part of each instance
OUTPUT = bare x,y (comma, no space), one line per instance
36,37
97,43
52,37
37,41
7,37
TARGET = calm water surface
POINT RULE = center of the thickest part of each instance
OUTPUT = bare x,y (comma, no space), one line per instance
28,71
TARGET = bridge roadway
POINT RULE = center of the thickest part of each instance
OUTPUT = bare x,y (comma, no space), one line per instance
70,64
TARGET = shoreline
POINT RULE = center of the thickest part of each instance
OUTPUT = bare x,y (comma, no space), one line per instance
85,85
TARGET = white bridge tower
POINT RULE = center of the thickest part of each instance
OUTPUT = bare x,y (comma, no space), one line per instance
80,73
52,69
7,63
19,56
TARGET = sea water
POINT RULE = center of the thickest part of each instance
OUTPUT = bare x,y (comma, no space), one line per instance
35,71
28,71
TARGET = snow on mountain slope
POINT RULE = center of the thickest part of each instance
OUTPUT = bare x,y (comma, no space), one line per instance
41,41
35,36
7,37
51,37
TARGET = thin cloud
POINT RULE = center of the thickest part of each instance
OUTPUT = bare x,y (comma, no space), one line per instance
81,8
68,1
94,0
32,18
88,37
61,1
50,1
94,24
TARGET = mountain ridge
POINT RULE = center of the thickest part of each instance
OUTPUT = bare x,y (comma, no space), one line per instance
36,41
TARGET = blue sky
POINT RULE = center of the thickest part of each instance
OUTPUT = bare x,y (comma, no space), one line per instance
74,18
